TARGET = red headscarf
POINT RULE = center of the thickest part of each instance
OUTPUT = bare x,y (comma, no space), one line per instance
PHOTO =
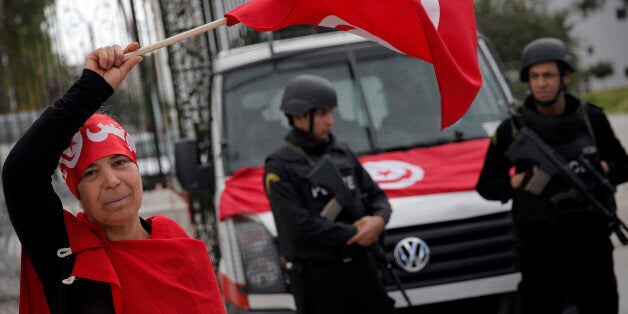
99,137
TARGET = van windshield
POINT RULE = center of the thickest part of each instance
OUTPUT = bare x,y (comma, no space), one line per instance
386,101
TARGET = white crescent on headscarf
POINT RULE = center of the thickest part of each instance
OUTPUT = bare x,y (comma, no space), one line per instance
73,152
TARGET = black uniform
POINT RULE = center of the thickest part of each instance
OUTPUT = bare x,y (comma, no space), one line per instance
565,249
328,276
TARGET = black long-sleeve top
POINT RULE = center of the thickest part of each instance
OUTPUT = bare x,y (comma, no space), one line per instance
35,209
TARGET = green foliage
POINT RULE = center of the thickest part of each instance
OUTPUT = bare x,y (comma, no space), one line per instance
512,24
600,70
31,75
586,6
613,100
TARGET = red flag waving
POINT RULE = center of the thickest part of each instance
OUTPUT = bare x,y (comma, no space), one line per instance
441,32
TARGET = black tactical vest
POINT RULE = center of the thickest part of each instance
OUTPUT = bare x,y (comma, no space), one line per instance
567,134
570,135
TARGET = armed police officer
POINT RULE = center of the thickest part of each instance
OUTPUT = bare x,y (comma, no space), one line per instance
565,252
330,268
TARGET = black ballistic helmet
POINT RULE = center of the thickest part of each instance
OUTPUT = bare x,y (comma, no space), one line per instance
306,92
545,50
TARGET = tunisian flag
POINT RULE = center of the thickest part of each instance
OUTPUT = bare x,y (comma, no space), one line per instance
415,172
441,32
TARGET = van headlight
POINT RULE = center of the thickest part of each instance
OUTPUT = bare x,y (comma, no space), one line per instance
260,258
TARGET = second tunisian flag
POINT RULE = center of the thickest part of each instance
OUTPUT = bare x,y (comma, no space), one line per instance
441,32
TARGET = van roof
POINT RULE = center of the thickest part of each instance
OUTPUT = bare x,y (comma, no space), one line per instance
237,57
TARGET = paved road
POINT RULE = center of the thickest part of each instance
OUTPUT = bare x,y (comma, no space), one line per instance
621,252
620,124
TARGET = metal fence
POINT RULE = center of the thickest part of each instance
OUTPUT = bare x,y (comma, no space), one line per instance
10,250
12,126
9,258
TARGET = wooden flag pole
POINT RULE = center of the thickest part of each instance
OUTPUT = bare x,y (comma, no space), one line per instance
177,38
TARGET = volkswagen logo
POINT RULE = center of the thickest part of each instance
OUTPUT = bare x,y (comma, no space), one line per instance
412,254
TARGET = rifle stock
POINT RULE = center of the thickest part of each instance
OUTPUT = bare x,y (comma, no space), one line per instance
326,174
528,146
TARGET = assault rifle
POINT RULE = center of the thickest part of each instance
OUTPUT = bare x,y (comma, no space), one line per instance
326,174
528,146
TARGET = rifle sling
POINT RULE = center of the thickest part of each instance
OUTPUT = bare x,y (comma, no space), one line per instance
587,122
299,151
514,114
331,211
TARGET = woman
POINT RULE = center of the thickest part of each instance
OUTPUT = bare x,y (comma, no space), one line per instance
106,259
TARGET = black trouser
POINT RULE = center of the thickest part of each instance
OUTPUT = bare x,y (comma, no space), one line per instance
567,266
331,287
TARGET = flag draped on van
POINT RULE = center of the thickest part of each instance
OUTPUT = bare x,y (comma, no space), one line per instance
415,172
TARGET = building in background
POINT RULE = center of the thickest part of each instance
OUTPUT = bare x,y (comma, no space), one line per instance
602,37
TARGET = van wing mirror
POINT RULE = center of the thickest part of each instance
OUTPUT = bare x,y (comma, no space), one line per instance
189,171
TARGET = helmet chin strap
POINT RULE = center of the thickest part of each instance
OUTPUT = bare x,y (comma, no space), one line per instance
311,128
311,138
549,103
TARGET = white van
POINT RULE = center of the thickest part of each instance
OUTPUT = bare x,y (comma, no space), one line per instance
389,114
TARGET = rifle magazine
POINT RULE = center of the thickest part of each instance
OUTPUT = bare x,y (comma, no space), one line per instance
538,182
331,210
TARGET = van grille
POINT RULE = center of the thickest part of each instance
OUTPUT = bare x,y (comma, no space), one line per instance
460,250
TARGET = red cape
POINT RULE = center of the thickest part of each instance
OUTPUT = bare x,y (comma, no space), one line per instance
169,273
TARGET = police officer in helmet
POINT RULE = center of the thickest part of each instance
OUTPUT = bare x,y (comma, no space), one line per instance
565,253
329,266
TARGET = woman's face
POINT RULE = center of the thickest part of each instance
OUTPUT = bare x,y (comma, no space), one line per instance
110,191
